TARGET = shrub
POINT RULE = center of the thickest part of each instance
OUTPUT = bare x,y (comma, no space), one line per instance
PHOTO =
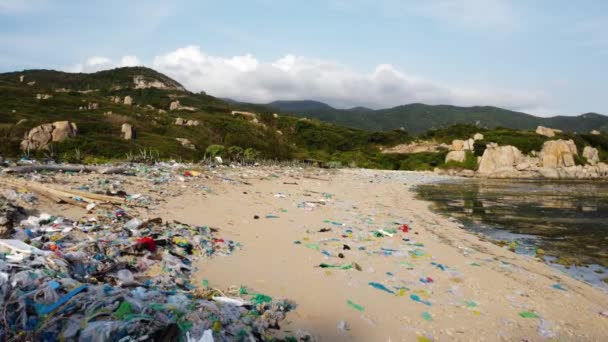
235,152
251,154
214,151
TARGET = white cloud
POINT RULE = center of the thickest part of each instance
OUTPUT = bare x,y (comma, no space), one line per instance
126,61
98,63
245,78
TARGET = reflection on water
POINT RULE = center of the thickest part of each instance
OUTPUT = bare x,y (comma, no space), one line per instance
567,220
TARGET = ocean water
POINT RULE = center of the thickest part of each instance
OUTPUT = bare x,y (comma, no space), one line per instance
564,222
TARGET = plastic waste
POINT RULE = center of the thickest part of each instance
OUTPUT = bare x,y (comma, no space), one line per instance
381,287
343,327
355,306
416,298
528,314
231,301
134,223
44,310
559,287
125,277
207,337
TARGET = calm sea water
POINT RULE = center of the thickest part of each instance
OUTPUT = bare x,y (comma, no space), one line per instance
568,221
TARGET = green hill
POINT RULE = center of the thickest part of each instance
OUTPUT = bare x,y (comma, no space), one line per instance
417,118
95,102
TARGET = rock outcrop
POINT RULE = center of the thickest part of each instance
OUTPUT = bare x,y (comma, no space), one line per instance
548,132
183,122
41,136
591,154
128,100
558,153
463,145
416,147
186,143
175,105
499,159
127,131
478,136
43,96
458,156
595,132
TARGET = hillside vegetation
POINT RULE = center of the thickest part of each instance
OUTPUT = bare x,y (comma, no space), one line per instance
88,101
95,103
417,118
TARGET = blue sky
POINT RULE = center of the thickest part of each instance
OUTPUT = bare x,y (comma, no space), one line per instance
544,57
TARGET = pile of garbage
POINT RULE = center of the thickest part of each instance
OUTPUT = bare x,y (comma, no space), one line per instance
8,214
112,277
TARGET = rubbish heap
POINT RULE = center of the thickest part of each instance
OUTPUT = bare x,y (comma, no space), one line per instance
113,277
8,212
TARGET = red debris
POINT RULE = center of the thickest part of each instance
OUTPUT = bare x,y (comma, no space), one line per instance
148,243
405,228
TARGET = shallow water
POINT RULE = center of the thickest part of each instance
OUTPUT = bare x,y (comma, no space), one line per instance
568,220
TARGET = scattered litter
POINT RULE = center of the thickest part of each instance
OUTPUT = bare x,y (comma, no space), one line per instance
343,327
416,298
355,306
559,287
528,314
381,287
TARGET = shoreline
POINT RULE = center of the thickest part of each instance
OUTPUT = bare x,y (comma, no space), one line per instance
462,305
438,281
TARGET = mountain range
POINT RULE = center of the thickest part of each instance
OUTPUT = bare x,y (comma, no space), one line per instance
417,118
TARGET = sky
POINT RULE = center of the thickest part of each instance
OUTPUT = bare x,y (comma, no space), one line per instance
544,57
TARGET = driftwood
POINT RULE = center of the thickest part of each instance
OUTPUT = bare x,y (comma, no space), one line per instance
65,168
74,197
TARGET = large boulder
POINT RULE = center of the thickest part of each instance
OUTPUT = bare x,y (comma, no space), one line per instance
463,145
458,156
595,132
127,131
128,100
41,136
186,143
558,153
591,154
499,158
548,132
478,136
174,105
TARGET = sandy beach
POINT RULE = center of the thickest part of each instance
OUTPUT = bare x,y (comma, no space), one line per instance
435,282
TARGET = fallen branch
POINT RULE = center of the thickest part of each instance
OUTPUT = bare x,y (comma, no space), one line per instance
65,168
74,197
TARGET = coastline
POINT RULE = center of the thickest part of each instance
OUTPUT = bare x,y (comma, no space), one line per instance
468,302
480,291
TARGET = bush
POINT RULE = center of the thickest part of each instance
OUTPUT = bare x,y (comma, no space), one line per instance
469,163
251,154
235,152
214,151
